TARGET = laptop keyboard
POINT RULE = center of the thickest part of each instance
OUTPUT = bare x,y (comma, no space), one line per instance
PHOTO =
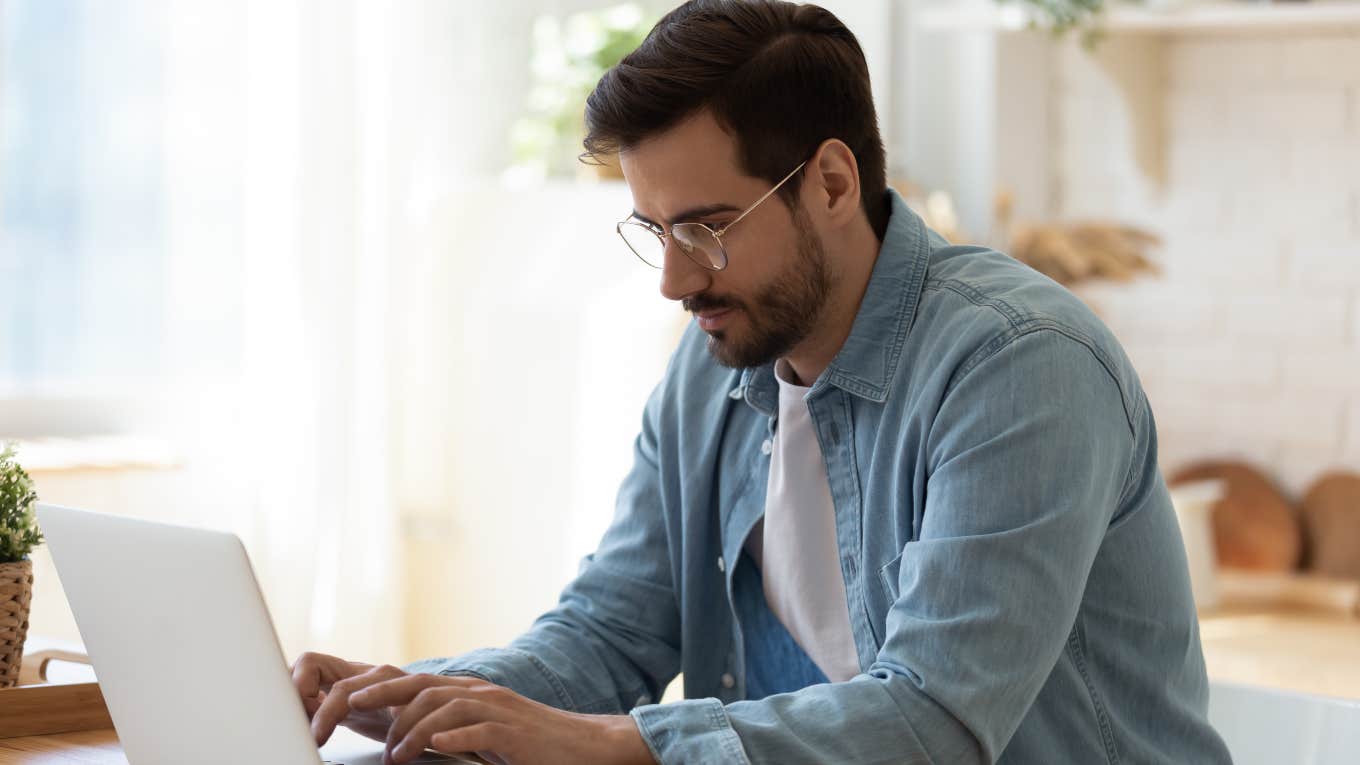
428,757
425,759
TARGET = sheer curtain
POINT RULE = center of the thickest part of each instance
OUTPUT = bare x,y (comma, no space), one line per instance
439,377
410,389
281,219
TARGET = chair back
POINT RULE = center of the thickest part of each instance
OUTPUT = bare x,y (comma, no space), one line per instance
1263,726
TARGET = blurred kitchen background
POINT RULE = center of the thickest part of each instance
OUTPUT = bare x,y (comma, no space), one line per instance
328,274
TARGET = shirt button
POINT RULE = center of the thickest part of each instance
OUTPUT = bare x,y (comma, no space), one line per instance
735,393
767,447
728,681
722,564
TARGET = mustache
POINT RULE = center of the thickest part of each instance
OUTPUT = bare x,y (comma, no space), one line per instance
707,303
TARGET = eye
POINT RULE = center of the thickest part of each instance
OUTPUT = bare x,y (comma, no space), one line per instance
652,227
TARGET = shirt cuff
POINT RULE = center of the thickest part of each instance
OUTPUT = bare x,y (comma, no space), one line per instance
696,730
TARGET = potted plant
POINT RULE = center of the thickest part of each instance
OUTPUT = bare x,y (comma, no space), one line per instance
19,534
568,58
1059,16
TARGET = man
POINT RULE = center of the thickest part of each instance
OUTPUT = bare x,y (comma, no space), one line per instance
894,500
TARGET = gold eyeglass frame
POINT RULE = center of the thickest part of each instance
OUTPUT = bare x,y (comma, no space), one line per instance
717,233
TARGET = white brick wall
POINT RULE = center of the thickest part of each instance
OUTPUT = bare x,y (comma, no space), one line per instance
1286,319
1324,266
1355,322
1350,453
1249,342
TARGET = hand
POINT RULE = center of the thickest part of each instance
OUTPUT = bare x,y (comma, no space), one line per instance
463,714
325,684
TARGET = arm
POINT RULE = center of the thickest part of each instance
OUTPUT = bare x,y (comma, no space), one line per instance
1029,456
612,642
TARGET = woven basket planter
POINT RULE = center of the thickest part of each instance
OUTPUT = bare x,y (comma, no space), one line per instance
16,594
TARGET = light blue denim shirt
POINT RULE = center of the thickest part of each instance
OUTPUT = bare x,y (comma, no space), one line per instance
1017,586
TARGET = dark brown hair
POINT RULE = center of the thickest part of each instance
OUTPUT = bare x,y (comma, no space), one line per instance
781,77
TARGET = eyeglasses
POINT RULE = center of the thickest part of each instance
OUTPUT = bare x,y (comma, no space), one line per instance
701,243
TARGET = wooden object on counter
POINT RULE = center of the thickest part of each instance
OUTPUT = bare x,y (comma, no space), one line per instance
34,710
1267,590
1331,522
41,707
34,669
1070,253
1255,527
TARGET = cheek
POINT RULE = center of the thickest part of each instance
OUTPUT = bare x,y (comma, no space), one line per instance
754,263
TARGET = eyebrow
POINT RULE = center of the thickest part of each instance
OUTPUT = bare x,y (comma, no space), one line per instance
692,213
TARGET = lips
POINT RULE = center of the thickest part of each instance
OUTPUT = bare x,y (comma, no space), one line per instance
712,320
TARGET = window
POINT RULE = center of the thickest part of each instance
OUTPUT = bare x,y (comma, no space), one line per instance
82,258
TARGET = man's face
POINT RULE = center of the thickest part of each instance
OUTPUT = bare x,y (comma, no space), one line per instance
771,294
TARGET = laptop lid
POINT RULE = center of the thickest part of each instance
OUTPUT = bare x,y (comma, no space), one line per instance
182,644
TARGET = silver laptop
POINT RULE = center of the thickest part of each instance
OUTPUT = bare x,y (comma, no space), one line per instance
183,646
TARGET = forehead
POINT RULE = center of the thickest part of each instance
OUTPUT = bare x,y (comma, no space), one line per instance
692,164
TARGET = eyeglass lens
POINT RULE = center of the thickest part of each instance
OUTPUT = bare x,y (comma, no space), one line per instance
696,241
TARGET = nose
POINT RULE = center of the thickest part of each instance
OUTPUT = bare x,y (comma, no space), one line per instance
680,276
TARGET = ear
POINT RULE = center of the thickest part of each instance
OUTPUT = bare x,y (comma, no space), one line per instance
833,183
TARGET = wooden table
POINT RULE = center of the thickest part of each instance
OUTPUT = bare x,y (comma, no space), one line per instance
89,747
1296,650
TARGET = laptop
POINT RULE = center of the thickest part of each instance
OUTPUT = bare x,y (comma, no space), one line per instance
183,646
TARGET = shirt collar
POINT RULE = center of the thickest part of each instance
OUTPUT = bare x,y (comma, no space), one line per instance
866,363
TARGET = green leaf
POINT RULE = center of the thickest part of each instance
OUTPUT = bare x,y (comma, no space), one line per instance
19,532
1062,16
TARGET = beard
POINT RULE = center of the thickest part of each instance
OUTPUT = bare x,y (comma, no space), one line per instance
783,312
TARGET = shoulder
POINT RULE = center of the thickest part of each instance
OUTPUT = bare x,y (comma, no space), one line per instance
977,302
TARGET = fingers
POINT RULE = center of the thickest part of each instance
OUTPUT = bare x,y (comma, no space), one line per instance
483,738
314,672
422,695
307,673
400,692
453,709
335,707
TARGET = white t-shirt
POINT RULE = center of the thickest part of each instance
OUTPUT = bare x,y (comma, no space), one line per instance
795,544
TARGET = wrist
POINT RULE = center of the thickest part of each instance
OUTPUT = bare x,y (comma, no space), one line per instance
625,741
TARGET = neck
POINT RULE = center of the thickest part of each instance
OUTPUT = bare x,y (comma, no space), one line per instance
853,262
